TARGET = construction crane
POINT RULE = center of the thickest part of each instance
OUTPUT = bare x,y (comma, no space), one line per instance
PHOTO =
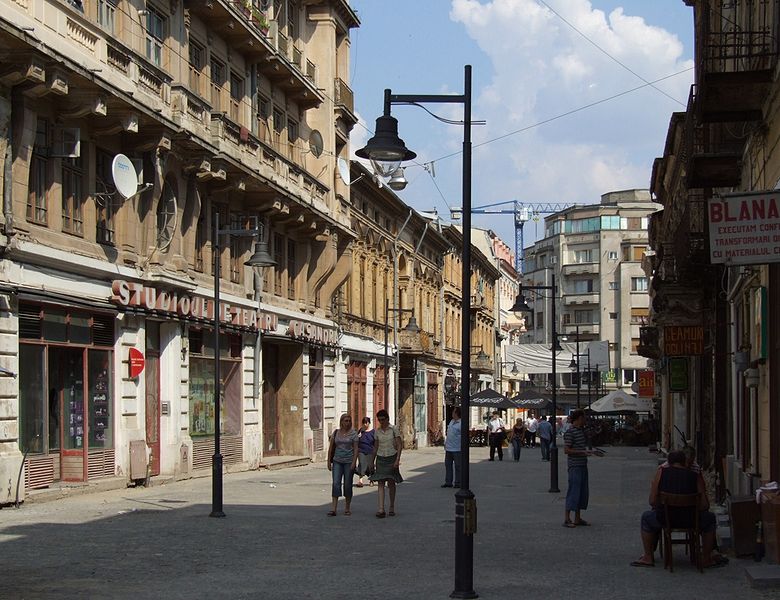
522,211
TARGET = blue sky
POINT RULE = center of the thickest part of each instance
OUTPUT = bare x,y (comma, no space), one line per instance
529,66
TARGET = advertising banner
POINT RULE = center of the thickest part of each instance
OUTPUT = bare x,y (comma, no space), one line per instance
745,228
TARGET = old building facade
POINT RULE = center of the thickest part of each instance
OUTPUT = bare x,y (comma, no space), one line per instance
232,116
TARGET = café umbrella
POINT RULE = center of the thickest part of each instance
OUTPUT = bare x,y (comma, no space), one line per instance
490,398
617,402
531,399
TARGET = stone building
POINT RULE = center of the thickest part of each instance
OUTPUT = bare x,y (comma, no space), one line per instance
131,130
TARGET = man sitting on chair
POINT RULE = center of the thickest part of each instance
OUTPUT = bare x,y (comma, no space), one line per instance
677,478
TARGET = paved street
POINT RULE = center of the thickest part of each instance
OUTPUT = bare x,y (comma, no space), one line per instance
277,542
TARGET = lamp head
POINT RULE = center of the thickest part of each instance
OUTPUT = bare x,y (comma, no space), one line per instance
573,364
386,150
520,306
261,257
411,326
514,370
397,181
557,346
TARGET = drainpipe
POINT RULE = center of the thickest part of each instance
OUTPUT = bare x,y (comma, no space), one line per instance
395,314
8,212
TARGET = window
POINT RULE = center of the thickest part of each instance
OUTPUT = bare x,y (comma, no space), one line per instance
292,133
236,249
582,286
639,284
583,256
291,269
196,65
104,208
37,205
566,319
263,116
72,195
217,83
167,214
634,345
612,255
278,254
639,315
610,222
629,375
614,285
236,97
155,35
581,225
292,20
613,316
106,12
637,253
583,316
200,239
278,121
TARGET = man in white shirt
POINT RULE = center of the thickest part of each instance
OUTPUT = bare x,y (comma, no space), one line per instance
531,425
496,429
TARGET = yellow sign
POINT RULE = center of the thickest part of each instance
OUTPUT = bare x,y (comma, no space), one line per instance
683,340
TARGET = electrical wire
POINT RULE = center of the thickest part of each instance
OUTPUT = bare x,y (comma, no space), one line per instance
607,54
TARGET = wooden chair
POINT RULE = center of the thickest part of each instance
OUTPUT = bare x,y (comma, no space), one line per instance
691,535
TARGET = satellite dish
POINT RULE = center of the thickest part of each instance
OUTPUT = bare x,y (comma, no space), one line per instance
343,168
124,176
315,143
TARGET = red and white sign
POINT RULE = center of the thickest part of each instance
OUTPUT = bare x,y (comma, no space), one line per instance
745,228
646,384
137,362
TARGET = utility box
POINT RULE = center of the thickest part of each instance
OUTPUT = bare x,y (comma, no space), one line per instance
743,515
138,459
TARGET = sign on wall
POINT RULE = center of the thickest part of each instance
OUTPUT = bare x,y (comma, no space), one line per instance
678,374
683,340
646,384
745,228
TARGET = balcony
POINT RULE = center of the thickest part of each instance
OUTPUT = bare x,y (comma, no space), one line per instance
715,150
582,328
648,342
579,299
345,102
236,25
580,269
738,57
288,70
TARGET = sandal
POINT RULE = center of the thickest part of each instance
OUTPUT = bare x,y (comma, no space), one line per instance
380,514
581,523
347,513
640,563
391,513
569,524
331,513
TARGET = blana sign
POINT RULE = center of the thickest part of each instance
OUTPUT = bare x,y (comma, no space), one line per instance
745,228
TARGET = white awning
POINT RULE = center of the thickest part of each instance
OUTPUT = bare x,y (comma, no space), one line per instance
537,358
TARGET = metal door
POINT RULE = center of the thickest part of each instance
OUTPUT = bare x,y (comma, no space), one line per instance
152,380
270,401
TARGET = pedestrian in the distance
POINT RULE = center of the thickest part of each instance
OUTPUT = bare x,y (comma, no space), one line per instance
544,430
496,433
531,425
386,460
365,450
342,458
575,445
517,438
452,451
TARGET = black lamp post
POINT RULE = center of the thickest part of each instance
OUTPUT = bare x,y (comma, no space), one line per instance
386,152
521,306
411,326
260,258
576,364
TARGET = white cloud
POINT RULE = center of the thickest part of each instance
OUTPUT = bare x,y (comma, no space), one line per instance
543,68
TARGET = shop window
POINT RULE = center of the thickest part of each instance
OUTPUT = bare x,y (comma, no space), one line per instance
218,81
99,399
38,420
104,208
155,35
55,325
37,205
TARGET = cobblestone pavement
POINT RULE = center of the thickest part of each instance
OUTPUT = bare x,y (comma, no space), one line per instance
277,542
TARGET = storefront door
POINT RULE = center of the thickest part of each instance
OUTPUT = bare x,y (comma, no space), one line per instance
152,381
66,384
270,401
356,391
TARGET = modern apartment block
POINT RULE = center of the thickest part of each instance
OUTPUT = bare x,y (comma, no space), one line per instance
594,255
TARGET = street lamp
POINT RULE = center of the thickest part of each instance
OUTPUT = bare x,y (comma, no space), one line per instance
411,327
260,258
576,364
386,151
521,306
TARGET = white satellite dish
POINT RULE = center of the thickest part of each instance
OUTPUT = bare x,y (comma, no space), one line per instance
343,167
124,175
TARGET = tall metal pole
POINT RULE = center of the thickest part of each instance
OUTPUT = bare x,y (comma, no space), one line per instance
577,333
465,502
590,376
554,447
387,375
216,460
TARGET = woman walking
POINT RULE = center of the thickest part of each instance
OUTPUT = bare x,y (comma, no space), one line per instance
342,457
517,437
365,450
452,451
386,459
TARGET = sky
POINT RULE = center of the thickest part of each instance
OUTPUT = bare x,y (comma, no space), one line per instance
563,86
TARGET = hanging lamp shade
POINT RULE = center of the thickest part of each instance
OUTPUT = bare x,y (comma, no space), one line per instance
386,150
261,257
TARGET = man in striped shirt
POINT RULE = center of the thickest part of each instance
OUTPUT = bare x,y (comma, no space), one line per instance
575,445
